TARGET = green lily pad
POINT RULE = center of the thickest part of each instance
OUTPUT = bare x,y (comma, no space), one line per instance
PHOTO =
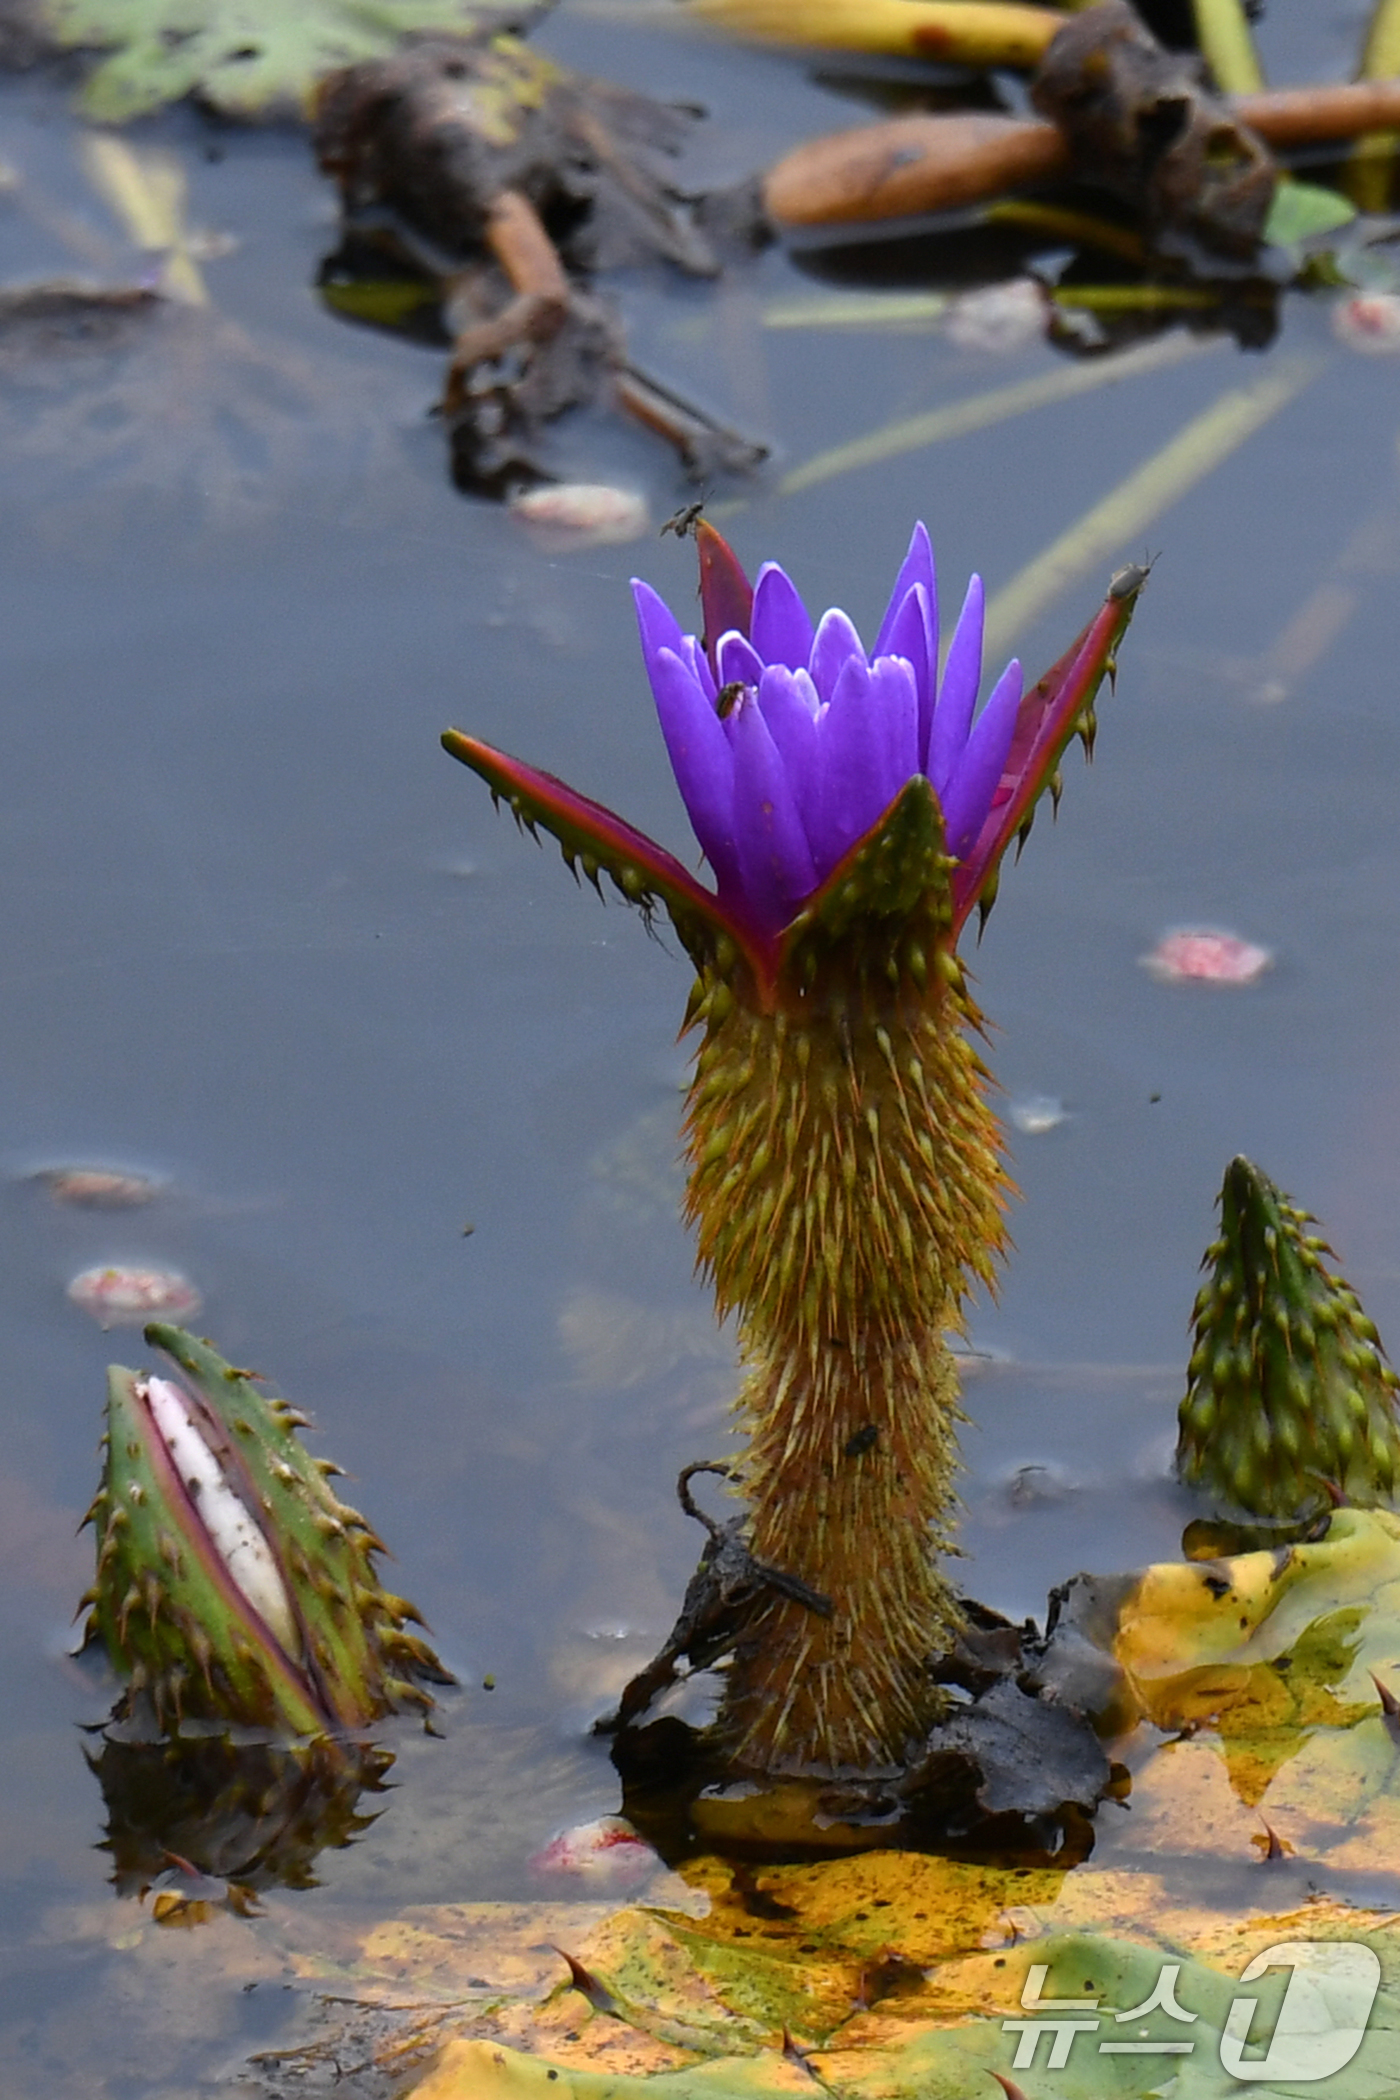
1301,210
245,58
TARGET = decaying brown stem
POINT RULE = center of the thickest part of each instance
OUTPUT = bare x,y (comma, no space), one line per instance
928,163
516,237
1311,116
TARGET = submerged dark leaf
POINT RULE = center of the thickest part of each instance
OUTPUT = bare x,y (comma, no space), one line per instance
440,129
1011,1755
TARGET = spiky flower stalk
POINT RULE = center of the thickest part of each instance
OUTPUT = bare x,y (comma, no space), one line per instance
1290,1399
232,1583
845,1180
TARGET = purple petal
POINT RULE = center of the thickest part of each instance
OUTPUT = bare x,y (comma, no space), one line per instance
737,662
659,625
693,654
701,761
957,695
917,567
788,701
853,772
912,637
775,861
836,643
894,722
782,627
969,795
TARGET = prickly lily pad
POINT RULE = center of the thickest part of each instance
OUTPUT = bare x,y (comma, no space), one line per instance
891,1977
1274,1675
245,58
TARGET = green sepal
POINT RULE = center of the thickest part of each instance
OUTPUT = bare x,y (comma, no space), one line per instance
1291,1402
885,911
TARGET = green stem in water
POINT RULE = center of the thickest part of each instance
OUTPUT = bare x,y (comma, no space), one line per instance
1371,164
1222,31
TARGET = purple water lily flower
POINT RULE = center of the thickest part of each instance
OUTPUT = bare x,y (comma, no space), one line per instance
789,741
792,746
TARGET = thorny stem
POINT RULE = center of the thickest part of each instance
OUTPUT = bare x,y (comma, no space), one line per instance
845,1185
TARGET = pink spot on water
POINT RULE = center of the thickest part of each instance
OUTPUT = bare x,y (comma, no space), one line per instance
1369,322
1205,955
606,1854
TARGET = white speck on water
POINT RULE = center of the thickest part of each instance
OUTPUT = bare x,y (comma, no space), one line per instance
1036,1113
999,319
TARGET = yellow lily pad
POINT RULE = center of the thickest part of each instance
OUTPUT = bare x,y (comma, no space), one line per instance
1270,1662
1181,1960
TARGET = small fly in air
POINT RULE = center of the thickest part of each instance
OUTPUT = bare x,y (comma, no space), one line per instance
685,520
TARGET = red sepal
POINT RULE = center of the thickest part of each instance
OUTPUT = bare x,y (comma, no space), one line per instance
726,595
1045,722
645,873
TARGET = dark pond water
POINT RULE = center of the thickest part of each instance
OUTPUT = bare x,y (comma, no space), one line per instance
261,938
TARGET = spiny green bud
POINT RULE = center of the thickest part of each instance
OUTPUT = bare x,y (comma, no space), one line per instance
231,1583
1289,1399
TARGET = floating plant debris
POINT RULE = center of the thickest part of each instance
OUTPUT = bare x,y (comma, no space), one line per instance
100,1188
122,1296
999,319
1207,955
608,1854
582,514
1369,322
511,182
